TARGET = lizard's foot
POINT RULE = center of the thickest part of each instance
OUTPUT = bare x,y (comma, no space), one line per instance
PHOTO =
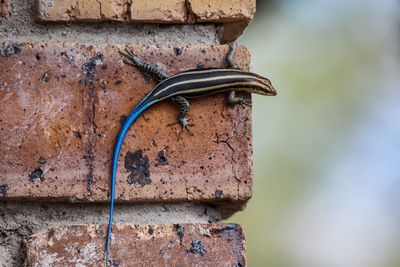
233,100
131,58
184,122
241,101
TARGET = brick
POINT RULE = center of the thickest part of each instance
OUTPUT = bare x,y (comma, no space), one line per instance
144,245
82,10
169,11
229,32
222,11
60,111
237,13
4,9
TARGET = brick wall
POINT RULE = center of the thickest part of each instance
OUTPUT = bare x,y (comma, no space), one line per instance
64,91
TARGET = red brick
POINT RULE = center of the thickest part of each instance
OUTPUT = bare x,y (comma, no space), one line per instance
82,10
234,15
166,11
66,128
145,245
222,11
4,9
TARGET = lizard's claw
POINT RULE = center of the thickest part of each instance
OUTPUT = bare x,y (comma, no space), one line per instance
241,101
184,122
131,58
245,102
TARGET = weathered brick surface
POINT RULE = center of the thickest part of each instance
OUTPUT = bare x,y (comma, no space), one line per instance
61,106
4,10
222,11
145,245
236,14
86,10
166,11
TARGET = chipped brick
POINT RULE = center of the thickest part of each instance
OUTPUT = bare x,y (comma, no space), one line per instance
144,245
82,10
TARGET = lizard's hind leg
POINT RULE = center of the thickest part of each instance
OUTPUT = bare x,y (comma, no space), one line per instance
150,68
233,99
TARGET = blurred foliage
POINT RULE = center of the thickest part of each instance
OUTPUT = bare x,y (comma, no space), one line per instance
333,64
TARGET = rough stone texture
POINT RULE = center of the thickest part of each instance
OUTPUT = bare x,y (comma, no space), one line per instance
23,26
86,10
18,220
4,13
160,11
166,11
237,13
61,106
144,245
222,11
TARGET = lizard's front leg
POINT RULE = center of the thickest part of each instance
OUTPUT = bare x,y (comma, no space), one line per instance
150,68
233,99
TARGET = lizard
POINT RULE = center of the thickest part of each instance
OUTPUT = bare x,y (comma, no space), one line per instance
179,87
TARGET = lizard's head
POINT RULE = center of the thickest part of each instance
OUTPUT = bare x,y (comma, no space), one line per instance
263,86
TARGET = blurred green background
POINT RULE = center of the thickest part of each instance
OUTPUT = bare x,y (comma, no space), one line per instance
327,148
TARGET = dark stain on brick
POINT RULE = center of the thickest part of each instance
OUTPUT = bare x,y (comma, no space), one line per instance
89,68
178,51
3,190
35,175
138,167
10,50
162,157
197,247
122,119
219,194
180,231
115,263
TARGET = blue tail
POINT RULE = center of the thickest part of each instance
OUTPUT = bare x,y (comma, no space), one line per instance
124,129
